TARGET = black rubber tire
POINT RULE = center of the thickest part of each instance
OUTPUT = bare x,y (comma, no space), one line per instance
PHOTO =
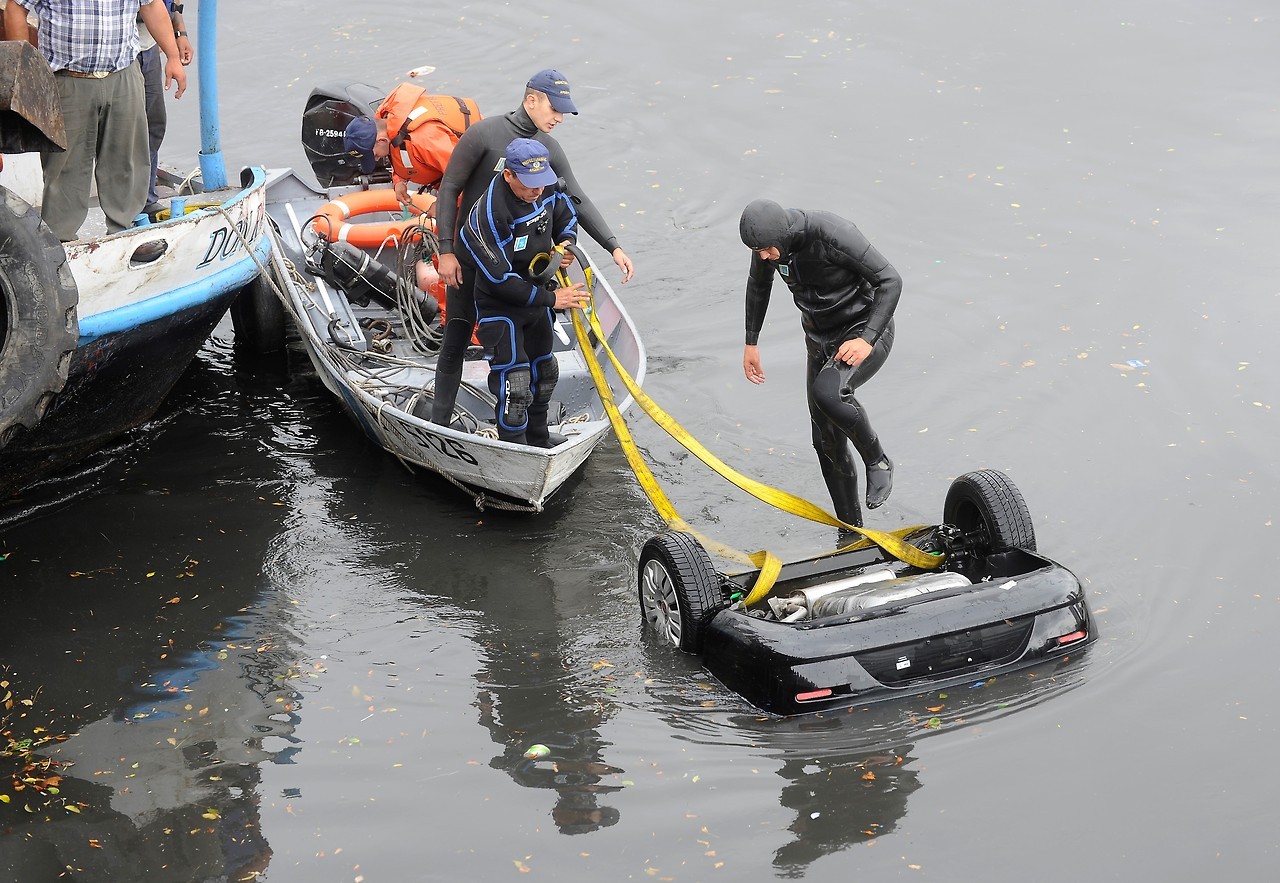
258,317
679,588
987,506
38,324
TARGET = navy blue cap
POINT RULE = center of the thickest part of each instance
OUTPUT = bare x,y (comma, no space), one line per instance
554,85
527,160
358,142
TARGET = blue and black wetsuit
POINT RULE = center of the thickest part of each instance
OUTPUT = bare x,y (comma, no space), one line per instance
845,289
501,237
476,157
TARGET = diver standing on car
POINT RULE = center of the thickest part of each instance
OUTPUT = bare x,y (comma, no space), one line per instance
509,238
475,159
846,292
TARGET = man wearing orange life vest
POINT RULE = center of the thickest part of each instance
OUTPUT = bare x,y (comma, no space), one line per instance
416,130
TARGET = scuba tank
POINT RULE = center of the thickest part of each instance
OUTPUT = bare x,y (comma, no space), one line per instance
364,279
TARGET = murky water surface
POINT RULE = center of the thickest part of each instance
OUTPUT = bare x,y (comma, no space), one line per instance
285,658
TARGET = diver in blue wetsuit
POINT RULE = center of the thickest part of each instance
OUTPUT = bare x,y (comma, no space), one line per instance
846,292
509,238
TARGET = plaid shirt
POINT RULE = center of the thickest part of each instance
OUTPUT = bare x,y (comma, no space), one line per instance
88,36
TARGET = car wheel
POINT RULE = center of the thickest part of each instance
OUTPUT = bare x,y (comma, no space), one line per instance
987,507
679,588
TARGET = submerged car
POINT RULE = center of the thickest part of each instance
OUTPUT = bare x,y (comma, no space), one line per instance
859,625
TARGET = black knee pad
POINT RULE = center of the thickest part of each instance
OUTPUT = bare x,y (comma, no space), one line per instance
548,377
519,397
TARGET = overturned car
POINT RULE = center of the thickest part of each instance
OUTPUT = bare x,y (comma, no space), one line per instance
859,625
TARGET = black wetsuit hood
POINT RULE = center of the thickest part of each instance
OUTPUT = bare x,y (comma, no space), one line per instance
765,224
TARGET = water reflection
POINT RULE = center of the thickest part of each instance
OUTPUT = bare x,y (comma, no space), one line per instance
173,675
847,775
529,692
841,801
163,784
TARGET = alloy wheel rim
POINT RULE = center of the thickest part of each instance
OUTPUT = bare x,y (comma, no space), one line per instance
661,605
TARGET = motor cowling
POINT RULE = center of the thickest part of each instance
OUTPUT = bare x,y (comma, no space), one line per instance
329,108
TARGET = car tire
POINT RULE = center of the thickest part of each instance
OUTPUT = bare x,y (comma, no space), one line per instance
679,588
257,316
986,505
38,325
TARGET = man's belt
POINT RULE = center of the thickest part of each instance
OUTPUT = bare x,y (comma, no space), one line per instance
96,75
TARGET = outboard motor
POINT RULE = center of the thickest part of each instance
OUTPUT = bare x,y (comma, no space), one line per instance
329,109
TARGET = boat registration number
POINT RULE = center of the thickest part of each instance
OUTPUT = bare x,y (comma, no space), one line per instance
448,447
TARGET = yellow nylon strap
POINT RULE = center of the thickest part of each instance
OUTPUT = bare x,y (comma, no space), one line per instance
780,499
536,268
766,562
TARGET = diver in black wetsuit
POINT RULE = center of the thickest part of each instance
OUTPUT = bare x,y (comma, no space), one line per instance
475,159
846,292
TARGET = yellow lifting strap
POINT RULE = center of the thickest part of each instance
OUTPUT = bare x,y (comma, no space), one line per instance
766,562
769,564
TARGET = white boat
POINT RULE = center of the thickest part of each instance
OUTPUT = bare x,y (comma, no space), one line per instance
381,367
95,332
143,302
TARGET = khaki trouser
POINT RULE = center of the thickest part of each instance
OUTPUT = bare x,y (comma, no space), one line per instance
107,143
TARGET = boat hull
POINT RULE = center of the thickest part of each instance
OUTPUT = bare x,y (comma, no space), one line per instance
390,399
141,322
116,382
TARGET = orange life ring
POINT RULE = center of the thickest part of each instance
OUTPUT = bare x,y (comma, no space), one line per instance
331,221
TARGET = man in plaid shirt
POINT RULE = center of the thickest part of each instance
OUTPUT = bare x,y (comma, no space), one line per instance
92,46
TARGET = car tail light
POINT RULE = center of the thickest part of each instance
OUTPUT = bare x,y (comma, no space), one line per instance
1072,638
813,694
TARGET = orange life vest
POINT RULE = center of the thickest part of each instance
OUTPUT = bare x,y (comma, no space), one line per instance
423,130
